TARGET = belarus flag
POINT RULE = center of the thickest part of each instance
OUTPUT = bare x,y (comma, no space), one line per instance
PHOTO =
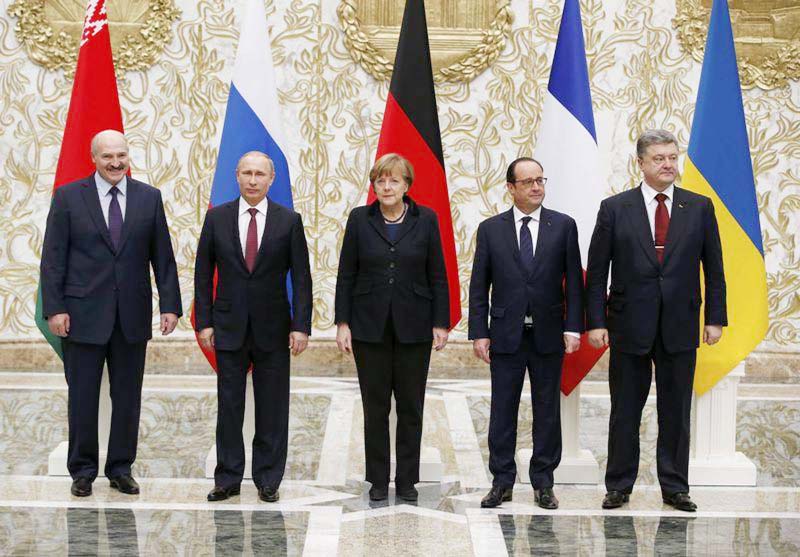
567,148
252,120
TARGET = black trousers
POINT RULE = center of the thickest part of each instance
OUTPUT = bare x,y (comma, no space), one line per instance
83,367
271,394
508,377
629,377
384,368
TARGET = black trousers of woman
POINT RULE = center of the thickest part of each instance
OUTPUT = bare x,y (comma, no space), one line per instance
385,368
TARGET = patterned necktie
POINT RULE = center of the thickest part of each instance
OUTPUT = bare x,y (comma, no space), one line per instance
251,247
114,218
662,226
526,245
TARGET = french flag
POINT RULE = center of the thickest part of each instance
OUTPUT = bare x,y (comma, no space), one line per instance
567,148
252,119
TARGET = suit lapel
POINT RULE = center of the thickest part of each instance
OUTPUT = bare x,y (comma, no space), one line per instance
637,213
543,235
376,221
272,221
233,215
677,220
132,199
92,200
510,233
409,222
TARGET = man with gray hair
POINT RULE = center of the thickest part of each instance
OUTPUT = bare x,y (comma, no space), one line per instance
252,243
654,238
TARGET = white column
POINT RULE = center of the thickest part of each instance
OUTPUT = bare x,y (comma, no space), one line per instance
248,432
578,466
57,461
714,459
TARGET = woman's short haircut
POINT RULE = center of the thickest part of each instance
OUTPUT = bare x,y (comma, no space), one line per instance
387,163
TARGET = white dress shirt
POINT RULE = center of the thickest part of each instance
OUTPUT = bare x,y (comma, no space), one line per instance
104,192
533,226
651,204
244,221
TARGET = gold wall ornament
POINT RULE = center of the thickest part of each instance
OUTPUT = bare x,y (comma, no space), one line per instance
51,30
766,33
466,36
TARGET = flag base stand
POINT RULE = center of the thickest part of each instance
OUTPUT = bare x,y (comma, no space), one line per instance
248,433
714,459
578,466
57,460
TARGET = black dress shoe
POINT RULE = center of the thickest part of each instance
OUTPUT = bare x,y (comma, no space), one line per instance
615,499
125,484
407,493
680,501
545,498
81,487
222,493
378,493
496,496
268,494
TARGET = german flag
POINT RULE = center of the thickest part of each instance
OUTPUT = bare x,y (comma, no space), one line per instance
411,129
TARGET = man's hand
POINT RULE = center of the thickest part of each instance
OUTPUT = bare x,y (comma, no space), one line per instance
481,348
571,344
712,334
344,338
297,342
168,323
439,338
206,338
598,337
59,324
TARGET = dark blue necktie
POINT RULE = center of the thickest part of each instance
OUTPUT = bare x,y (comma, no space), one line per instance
526,245
114,218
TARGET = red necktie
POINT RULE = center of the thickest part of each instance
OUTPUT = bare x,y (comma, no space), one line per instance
662,226
251,247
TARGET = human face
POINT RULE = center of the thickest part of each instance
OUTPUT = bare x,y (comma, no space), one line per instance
660,165
255,175
527,190
390,188
110,157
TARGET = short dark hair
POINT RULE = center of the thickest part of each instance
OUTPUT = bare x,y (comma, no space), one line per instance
510,176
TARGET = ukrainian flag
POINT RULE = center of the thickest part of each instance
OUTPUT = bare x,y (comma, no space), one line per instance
719,166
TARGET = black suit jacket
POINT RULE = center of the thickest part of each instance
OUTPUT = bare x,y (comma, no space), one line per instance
645,293
82,275
557,279
407,275
259,298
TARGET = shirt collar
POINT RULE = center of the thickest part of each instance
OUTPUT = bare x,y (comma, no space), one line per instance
518,214
650,194
104,187
244,206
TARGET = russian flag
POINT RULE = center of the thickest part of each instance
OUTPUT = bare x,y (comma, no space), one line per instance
567,149
252,119
719,166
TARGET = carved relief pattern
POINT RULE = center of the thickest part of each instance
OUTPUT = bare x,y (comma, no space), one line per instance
332,108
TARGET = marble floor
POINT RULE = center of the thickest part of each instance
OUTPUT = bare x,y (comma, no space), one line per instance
324,509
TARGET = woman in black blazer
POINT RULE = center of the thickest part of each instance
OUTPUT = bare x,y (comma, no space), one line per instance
391,303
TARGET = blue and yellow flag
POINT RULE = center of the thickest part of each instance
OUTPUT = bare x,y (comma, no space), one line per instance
719,166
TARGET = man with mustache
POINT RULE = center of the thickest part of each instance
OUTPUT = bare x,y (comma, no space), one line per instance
654,237
103,234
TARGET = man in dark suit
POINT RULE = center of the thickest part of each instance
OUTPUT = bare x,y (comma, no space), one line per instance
654,237
252,243
529,256
103,233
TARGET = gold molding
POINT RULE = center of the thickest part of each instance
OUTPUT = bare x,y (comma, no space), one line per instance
139,33
767,51
480,47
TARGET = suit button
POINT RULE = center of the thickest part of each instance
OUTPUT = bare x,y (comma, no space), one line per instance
392,249
391,265
391,281
660,279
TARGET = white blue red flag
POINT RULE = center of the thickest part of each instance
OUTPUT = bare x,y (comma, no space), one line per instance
252,119
567,149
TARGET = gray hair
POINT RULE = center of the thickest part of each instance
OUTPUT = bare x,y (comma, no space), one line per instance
653,137
256,154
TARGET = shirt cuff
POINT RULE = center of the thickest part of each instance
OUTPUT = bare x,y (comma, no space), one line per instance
570,333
